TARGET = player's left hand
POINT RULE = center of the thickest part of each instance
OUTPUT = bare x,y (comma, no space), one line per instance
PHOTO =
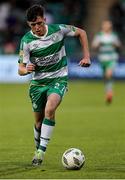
85,62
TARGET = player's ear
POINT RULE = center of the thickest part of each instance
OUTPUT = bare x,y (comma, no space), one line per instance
44,20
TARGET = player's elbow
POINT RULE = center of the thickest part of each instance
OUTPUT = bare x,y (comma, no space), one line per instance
80,32
22,70
21,73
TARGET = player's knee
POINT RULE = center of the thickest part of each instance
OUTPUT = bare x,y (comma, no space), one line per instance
109,74
49,113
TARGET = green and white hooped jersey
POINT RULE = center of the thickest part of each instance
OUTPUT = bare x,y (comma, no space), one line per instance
107,42
47,53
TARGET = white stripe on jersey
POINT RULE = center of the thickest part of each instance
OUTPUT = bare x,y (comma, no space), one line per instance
107,57
46,42
56,74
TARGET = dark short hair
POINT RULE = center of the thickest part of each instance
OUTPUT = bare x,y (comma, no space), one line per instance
34,11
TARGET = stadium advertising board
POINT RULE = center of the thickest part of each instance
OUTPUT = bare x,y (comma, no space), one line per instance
9,70
94,71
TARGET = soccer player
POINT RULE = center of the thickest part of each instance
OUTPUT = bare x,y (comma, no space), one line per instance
42,53
106,42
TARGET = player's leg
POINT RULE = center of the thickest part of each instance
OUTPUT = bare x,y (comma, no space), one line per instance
54,94
38,157
109,85
54,97
48,124
108,69
39,116
36,94
109,80
38,99
47,127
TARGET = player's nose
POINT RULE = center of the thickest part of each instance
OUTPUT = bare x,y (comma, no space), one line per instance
36,26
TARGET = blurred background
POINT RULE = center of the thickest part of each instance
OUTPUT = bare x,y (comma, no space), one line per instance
87,14
84,120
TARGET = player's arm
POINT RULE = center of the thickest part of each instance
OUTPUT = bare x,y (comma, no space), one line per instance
24,66
85,61
96,42
117,42
24,69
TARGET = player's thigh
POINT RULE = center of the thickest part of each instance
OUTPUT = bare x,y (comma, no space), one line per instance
38,95
109,73
110,69
55,95
53,102
59,88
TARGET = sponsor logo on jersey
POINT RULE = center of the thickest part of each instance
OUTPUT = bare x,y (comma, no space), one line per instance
45,61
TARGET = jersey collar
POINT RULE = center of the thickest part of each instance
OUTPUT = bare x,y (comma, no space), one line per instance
41,37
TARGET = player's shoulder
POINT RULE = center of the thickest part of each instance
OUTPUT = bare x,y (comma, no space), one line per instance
52,28
27,37
100,33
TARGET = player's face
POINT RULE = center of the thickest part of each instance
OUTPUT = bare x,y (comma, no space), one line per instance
38,26
106,26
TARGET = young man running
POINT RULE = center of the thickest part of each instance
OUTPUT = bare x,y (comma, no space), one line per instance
42,53
106,42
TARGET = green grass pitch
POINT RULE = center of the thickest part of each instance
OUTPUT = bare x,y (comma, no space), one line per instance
83,120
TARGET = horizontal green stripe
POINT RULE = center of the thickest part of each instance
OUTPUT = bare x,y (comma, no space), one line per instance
49,81
38,140
107,52
53,67
43,148
28,38
49,122
48,50
53,28
45,138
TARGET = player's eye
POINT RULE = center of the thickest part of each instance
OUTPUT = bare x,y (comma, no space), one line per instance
38,23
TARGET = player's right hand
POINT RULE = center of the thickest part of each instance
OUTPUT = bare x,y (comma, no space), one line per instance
85,62
30,68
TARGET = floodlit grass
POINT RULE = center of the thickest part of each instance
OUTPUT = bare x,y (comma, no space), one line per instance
83,120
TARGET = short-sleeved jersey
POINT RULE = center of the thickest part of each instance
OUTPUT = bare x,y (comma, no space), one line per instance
47,53
107,42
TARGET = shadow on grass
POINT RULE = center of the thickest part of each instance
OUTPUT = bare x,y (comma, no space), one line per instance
12,168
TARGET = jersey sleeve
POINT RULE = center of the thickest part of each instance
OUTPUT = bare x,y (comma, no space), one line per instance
116,40
68,30
96,40
24,54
